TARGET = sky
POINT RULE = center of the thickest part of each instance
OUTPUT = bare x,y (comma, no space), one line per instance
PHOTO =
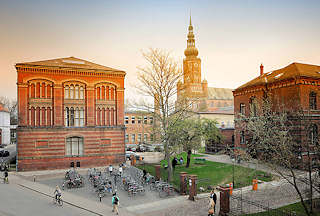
233,36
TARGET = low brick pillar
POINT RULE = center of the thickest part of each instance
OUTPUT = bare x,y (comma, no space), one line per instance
224,201
183,183
192,186
158,172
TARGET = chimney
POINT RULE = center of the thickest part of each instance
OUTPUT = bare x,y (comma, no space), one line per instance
261,70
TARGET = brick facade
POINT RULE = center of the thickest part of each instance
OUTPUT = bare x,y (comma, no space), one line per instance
290,88
138,124
70,110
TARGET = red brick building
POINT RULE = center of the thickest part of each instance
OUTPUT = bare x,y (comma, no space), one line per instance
139,127
294,88
70,111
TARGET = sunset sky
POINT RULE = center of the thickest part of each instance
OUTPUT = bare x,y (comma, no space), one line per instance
233,36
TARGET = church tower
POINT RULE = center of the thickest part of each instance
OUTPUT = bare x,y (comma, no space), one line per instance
192,67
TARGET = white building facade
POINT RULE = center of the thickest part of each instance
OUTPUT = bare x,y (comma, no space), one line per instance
4,125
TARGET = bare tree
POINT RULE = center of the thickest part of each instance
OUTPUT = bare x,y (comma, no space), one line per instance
158,80
11,105
281,139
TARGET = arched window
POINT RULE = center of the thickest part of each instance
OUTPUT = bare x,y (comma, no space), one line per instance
71,121
77,117
66,92
313,100
103,93
37,90
76,92
74,146
48,91
98,93
33,91
81,117
71,92
81,93
313,134
66,117
107,93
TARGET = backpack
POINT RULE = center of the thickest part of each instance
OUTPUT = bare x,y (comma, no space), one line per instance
116,200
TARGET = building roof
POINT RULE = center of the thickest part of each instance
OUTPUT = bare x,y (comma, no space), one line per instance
293,70
69,62
3,108
220,110
220,93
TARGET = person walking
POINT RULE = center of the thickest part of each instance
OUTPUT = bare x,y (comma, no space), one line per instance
6,178
213,199
181,160
110,169
120,170
115,203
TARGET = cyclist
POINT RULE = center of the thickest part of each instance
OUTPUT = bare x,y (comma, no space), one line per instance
57,193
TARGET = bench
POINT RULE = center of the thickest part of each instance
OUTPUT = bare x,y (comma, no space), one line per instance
200,160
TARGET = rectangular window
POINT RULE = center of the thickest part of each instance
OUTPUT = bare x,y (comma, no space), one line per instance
74,146
242,138
139,137
77,118
133,138
242,109
151,119
139,119
145,136
126,120
81,117
127,138
133,119
145,120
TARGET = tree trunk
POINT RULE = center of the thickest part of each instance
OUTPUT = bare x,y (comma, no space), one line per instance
167,156
188,158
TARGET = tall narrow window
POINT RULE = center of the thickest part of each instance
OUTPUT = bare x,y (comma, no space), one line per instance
313,101
43,90
253,106
66,92
133,120
71,121
76,92
139,119
37,90
33,117
48,116
71,92
127,138
81,117
139,137
103,92
98,116
77,117
145,120
126,120
66,117
313,134
107,93
242,137
33,91
38,116
81,93
48,91
133,138
103,117
98,93
242,109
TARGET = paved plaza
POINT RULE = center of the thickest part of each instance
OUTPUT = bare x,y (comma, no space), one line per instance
23,196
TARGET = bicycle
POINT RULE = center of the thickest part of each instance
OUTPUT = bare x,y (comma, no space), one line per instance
167,190
57,200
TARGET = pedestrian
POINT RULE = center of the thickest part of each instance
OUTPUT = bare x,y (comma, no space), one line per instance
144,175
110,169
6,178
181,160
213,197
174,163
120,170
115,203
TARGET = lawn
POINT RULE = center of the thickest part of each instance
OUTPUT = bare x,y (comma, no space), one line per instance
296,207
210,173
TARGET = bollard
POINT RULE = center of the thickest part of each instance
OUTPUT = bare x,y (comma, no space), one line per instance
100,197
183,183
192,187
34,178
158,172
224,201
255,184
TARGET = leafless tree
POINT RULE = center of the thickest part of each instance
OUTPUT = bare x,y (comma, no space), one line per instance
281,138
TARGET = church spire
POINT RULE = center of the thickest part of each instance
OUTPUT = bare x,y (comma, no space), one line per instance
191,48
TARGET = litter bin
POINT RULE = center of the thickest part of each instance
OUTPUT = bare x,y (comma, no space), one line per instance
255,184
230,186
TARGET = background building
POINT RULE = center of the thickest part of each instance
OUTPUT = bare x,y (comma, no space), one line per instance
70,112
4,125
294,88
206,102
139,127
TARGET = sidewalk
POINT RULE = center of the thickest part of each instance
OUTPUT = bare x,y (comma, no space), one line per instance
97,208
